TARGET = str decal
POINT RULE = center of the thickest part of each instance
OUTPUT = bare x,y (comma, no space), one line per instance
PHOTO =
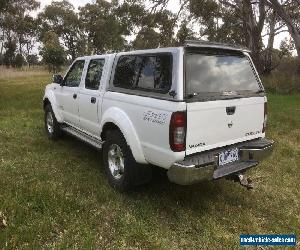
154,117
200,144
253,133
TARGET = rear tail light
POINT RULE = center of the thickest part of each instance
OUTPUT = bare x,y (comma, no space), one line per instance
177,131
265,117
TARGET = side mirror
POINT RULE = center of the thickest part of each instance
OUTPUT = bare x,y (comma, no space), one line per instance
58,79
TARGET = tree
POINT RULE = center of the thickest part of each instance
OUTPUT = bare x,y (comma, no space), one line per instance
14,21
147,38
61,18
53,53
104,30
9,55
286,47
289,12
155,30
269,54
26,33
235,21
251,18
184,33
207,14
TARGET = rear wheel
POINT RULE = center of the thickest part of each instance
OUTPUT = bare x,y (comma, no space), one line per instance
52,127
121,169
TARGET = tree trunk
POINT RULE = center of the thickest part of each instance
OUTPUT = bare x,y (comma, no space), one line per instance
269,51
253,30
295,34
72,48
20,39
2,43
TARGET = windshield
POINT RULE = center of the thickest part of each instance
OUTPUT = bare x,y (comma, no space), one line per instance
219,73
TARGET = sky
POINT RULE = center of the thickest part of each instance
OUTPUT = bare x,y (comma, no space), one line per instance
173,6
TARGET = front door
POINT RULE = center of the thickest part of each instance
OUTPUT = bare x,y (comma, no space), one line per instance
67,95
90,97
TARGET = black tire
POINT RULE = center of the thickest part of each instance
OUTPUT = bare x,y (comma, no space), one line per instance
133,173
55,132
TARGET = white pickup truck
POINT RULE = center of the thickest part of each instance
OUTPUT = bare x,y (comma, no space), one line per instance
198,111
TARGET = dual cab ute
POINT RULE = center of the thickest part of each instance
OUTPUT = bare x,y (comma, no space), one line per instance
198,111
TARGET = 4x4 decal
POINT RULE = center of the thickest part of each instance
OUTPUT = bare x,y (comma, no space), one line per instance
154,117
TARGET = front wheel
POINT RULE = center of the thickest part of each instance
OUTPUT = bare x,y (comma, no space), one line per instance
52,126
121,169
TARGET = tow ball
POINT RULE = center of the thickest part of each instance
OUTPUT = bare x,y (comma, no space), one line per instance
244,181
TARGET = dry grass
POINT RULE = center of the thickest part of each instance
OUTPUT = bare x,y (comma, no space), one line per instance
9,73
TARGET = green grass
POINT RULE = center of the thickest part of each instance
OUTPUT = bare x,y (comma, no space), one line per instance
55,194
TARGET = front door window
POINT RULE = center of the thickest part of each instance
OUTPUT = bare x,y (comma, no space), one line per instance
73,77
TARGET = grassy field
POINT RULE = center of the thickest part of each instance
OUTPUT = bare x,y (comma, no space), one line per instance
55,195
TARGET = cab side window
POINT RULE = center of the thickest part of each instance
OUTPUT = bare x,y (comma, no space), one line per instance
155,73
94,73
73,77
126,72
152,73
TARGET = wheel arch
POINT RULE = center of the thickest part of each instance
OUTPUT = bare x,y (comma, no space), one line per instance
115,118
49,99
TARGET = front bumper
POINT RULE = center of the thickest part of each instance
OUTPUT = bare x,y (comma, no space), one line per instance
204,166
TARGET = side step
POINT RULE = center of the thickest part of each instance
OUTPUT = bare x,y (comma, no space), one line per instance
233,168
83,136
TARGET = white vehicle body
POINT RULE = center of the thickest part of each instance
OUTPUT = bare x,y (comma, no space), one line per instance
144,117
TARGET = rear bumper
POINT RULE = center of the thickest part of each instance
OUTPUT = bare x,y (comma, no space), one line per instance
204,166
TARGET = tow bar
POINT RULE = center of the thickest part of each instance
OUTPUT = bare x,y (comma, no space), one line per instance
245,182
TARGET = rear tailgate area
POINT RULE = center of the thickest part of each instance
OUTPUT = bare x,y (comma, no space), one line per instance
214,124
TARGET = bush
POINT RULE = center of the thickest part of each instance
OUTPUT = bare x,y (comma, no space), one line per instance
32,60
285,79
282,83
19,61
289,65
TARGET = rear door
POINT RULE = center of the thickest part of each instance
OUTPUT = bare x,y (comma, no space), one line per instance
225,100
90,97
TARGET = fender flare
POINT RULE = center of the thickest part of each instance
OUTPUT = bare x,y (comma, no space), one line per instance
49,95
122,121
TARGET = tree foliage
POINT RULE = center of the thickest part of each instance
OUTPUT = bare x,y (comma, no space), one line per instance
104,26
103,29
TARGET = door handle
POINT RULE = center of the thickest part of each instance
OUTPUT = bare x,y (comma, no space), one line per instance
74,96
93,99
